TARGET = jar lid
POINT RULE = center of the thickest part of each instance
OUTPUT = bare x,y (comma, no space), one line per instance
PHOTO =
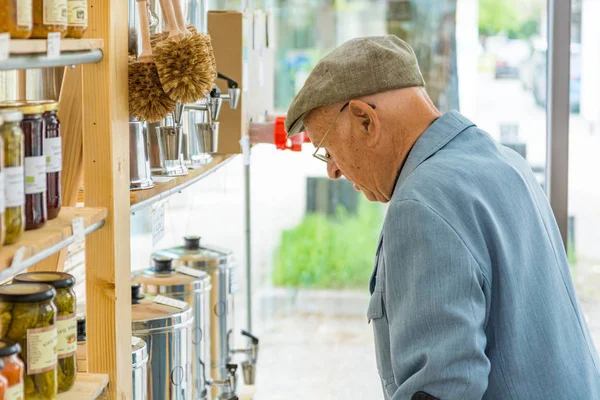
49,105
139,351
8,348
58,280
26,292
11,115
148,316
25,108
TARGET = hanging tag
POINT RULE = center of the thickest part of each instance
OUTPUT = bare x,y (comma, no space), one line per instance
53,45
78,229
18,256
135,341
167,301
4,46
245,143
191,272
158,224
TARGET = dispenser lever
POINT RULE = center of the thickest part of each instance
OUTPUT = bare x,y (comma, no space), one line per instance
250,336
231,84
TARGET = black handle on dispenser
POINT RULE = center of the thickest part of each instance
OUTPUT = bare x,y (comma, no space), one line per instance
136,294
232,368
231,84
250,336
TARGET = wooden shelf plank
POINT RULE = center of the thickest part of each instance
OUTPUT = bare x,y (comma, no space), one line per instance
52,233
87,387
38,46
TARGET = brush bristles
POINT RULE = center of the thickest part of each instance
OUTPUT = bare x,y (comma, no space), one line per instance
186,67
147,99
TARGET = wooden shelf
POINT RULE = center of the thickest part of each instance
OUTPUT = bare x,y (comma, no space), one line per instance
39,46
54,236
87,387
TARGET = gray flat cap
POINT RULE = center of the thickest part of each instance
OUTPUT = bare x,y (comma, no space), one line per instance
359,67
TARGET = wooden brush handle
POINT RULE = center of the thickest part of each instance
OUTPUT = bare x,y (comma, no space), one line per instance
181,23
169,14
146,55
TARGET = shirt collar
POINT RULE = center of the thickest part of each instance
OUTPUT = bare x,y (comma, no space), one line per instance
440,133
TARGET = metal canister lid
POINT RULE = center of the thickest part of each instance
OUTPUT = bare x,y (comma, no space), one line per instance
191,281
149,316
139,352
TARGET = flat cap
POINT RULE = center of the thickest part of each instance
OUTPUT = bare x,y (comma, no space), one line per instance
359,67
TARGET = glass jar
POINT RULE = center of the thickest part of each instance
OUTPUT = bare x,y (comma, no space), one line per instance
28,317
77,18
14,175
35,166
66,322
16,18
13,369
49,16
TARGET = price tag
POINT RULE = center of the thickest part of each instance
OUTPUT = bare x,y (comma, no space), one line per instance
18,256
53,45
245,143
135,341
158,224
78,229
167,301
4,46
191,272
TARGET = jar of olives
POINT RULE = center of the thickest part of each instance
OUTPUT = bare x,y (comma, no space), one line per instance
28,317
49,16
14,176
66,322
13,369
77,18
16,18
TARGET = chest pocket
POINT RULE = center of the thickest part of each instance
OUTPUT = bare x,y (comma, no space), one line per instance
376,315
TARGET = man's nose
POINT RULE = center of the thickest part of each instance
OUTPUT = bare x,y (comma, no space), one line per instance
333,171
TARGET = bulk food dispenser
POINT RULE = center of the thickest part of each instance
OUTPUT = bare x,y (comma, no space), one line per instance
219,264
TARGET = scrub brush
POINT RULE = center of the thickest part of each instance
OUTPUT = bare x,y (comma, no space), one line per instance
185,66
147,99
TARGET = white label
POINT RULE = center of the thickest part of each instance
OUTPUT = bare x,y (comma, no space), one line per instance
53,154
66,326
135,341
78,229
35,175
191,272
158,224
2,203
54,44
4,46
167,301
41,349
18,256
15,392
162,179
14,186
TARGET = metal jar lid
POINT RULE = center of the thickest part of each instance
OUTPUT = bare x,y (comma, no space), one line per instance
58,280
139,352
162,274
192,254
149,317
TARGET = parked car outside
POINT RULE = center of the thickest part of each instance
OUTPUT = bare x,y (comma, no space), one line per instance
509,58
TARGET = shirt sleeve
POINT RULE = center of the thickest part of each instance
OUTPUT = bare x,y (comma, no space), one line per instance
435,305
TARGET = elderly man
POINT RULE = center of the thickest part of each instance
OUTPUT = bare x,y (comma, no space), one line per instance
471,295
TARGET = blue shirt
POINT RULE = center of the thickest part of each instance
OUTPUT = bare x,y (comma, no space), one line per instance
472,296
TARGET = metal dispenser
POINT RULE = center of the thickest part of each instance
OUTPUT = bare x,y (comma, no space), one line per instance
219,264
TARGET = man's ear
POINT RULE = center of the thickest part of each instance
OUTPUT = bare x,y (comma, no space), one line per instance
364,119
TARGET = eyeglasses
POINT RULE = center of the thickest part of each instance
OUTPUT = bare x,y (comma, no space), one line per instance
326,157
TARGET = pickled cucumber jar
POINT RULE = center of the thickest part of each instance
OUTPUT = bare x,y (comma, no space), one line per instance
66,322
2,206
77,18
14,175
28,317
49,16
13,369
16,18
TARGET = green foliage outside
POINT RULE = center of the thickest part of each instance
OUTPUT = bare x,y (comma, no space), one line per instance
518,19
325,252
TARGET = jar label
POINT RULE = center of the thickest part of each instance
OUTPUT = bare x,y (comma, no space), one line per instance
53,154
77,13
14,392
55,12
14,186
41,349
2,204
66,326
35,175
167,301
24,13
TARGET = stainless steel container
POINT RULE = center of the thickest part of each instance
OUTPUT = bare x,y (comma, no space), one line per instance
170,147
193,287
140,176
139,360
167,330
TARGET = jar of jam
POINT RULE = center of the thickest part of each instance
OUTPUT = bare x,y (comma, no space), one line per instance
13,369
16,18
66,322
35,166
3,383
49,16
77,18
13,173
